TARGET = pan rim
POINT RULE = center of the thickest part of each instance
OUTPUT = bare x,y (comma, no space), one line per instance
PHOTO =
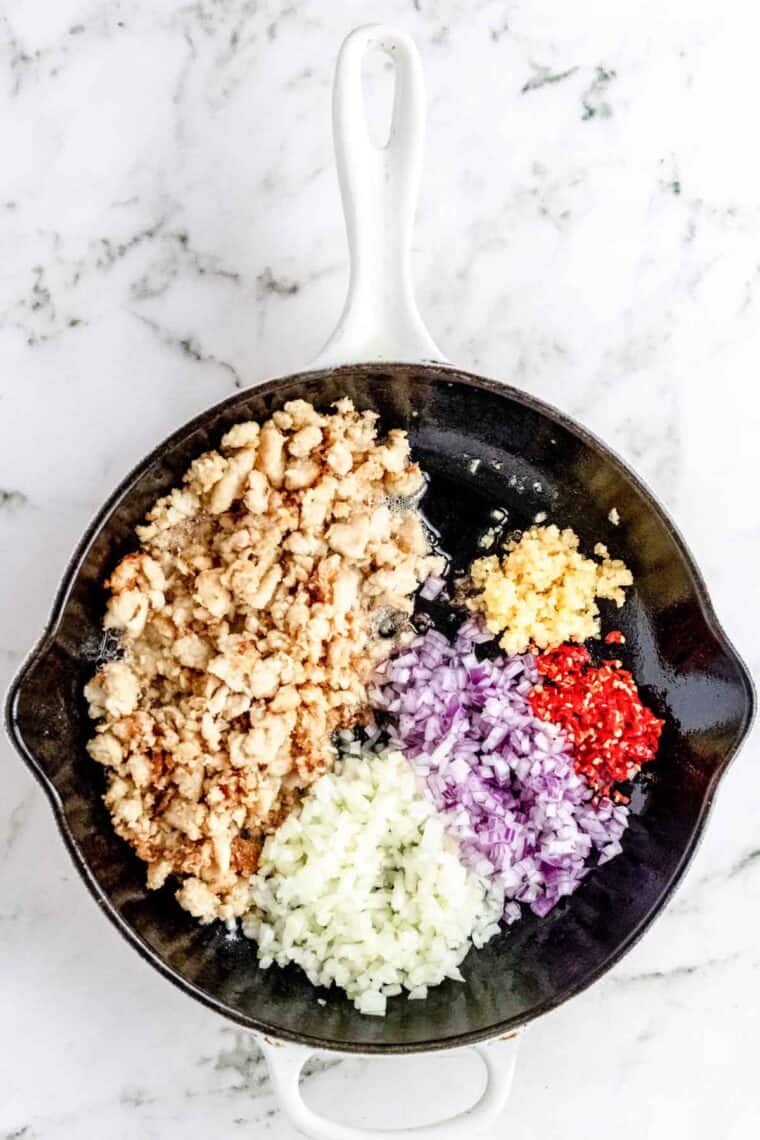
446,374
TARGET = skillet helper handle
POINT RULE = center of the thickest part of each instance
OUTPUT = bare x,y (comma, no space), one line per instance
379,186
286,1061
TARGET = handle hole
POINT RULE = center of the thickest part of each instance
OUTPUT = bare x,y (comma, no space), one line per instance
394,1092
379,93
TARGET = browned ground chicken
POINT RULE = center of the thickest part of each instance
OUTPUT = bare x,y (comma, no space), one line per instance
248,618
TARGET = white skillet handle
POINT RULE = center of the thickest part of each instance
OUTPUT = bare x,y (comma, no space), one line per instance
379,186
286,1062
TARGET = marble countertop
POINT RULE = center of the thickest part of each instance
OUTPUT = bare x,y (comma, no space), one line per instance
589,228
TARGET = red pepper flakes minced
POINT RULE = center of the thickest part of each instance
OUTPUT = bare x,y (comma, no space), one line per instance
599,709
614,637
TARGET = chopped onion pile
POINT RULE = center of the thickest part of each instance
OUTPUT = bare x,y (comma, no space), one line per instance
362,887
504,779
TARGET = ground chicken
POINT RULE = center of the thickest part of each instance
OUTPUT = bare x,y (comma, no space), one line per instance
246,619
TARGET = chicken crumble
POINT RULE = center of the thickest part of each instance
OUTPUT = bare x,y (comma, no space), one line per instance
249,620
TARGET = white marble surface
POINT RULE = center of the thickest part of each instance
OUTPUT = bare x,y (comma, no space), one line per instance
169,228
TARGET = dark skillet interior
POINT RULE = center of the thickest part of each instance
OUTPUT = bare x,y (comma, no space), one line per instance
530,460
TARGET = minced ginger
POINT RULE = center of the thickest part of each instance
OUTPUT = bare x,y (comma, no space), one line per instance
248,620
543,591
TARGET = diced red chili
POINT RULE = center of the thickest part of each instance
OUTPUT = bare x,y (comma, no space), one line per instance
599,709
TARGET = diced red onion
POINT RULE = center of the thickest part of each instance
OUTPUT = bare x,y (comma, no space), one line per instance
432,587
524,819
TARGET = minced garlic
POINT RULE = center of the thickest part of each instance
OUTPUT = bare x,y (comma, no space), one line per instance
542,592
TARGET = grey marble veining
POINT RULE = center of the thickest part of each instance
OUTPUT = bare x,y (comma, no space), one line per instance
589,229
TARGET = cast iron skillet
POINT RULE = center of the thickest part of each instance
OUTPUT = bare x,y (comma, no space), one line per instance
531,459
